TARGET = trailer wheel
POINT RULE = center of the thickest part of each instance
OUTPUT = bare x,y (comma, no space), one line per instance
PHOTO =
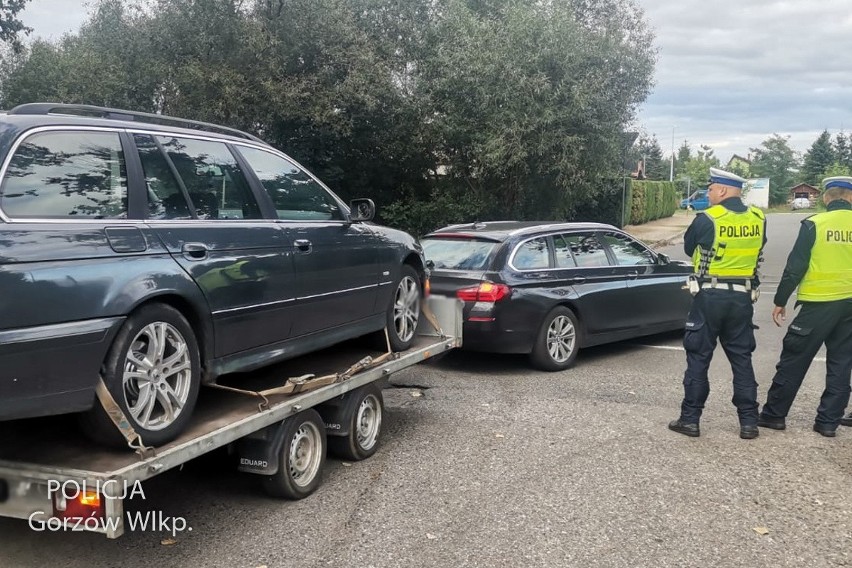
153,371
301,458
364,414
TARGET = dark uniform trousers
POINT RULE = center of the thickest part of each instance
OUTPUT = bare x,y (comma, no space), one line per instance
725,315
817,323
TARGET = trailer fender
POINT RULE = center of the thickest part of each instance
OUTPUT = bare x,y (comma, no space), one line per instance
258,452
336,414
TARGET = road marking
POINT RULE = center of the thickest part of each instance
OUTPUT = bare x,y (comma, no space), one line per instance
675,348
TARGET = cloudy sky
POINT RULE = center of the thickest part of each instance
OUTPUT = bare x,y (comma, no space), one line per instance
730,73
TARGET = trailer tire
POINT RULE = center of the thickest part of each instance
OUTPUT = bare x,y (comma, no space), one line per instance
169,391
363,416
301,457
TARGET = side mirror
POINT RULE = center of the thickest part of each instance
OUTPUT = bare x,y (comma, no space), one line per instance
663,258
361,210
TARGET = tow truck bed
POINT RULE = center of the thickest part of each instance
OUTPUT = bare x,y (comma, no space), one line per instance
38,452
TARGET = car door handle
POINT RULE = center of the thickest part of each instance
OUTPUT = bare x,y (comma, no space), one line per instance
194,251
578,279
302,245
632,275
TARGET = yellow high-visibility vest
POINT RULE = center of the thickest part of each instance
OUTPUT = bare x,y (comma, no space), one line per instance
829,275
738,238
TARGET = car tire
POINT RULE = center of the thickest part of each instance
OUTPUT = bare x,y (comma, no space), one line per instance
160,412
403,314
556,344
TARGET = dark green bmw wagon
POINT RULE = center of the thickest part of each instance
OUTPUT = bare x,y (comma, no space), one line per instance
161,253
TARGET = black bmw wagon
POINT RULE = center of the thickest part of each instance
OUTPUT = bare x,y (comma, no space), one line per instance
160,253
549,289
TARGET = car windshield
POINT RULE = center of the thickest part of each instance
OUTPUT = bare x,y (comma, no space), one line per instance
458,253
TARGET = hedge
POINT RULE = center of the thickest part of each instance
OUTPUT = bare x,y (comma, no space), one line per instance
625,201
651,200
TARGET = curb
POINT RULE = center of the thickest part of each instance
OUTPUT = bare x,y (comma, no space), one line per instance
668,241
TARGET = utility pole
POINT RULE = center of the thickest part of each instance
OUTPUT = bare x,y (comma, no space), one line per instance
671,171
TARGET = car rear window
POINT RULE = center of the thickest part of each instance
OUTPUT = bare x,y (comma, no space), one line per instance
458,253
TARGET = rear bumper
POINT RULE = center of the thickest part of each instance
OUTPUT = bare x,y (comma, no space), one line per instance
489,337
52,369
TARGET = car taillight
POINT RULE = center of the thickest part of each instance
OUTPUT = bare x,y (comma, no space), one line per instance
485,292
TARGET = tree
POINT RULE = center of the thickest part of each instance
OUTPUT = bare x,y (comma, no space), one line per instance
697,168
10,25
531,98
777,161
843,149
647,150
740,168
836,169
818,158
518,107
684,154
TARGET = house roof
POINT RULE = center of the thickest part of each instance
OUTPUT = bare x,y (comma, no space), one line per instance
804,185
737,157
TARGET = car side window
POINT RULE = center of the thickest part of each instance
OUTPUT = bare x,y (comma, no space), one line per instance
294,193
627,251
532,255
165,197
562,249
587,250
215,184
67,174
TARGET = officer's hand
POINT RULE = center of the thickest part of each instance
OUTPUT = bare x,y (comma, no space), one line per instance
779,314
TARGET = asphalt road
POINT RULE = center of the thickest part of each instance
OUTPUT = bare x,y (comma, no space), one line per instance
485,462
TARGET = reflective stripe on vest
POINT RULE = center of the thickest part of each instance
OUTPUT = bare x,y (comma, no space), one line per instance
829,275
737,240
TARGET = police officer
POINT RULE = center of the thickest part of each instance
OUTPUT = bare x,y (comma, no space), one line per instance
820,264
725,243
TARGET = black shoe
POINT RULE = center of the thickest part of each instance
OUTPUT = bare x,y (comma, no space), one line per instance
846,420
774,423
749,432
685,428
826,431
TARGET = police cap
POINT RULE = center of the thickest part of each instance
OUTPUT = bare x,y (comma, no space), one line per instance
838,181
726,178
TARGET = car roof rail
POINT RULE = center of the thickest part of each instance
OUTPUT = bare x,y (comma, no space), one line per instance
128,115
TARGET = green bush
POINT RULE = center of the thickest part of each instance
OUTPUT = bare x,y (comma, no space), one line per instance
651,200
446,206
607,205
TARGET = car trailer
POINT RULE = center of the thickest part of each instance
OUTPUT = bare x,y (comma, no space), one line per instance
53,477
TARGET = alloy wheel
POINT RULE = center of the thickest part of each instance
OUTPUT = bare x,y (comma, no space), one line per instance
406,308
561,338
157,376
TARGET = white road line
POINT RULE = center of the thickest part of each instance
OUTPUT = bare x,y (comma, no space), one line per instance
675,348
